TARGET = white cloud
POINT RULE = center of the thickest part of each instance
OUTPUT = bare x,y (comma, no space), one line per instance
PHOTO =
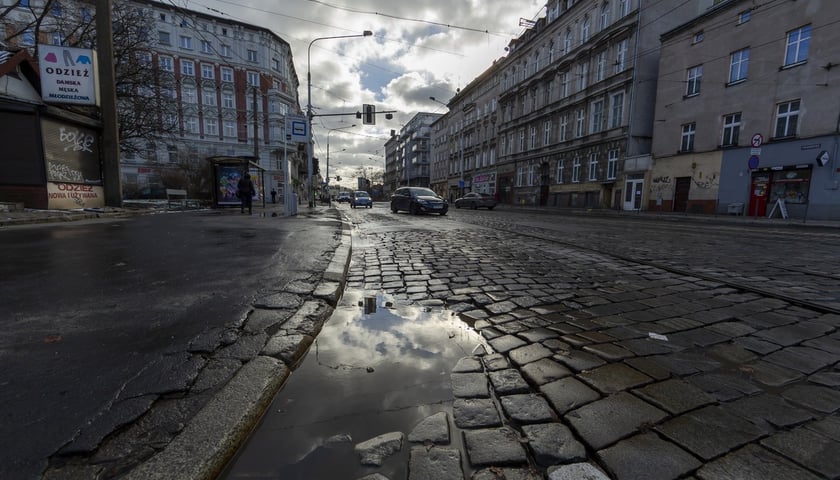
419,49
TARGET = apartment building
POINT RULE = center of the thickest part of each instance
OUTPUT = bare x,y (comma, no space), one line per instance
748,112
408,153
234,84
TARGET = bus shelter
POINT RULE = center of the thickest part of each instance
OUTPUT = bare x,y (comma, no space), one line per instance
227,171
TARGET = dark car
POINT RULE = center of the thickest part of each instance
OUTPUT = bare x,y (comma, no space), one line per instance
343,197
361,199
476,200
417,200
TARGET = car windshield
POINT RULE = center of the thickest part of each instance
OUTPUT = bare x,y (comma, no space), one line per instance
423,192
361,194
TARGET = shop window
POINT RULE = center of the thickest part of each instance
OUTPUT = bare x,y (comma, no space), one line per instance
791,186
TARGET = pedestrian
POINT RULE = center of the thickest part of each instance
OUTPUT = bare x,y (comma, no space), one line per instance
245,191
273,196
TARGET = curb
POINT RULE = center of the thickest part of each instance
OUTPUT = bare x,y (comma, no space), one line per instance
212,437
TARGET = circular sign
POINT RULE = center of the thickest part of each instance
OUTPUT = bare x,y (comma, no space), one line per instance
753,162
756,140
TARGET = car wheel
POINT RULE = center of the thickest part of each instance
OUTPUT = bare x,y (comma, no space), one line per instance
442,213
457,206
474,206
490,208
413,209
394,209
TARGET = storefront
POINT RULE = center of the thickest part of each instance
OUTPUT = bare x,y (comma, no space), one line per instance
790,184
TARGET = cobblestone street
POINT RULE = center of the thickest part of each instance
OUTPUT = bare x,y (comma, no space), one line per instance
623,349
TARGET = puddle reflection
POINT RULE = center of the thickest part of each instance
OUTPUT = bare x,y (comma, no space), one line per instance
376,367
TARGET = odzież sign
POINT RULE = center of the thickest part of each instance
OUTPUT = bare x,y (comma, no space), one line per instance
68,75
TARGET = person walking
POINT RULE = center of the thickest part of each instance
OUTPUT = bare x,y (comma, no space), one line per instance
273,196
245,191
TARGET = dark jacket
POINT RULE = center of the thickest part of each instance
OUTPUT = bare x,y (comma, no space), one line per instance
245,188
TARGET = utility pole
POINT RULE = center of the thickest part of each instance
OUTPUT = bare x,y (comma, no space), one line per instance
110,152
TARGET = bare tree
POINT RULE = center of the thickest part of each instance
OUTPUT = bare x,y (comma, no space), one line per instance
145,95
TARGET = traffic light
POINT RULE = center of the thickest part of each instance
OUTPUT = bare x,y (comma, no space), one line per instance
368,114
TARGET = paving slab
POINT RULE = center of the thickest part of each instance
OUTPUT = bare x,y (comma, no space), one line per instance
475,413
725,386
496,361
614,377
795,333
568,393
553,443
753,463
527,408
674,396
807,447
530,353
769,408
578,360
434,429
509,381
710,432
647,457
468,365
802,359
821,399
506,343
498,446
577,471
434,463
603,422
544,370
469,385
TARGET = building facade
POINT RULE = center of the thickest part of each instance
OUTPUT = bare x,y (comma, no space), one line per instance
747,112
408,153
234,84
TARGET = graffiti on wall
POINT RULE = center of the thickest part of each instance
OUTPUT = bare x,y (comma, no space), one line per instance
707,183
660,185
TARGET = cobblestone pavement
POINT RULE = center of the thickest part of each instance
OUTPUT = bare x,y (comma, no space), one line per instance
622,350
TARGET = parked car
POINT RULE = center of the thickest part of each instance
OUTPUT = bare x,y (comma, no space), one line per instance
476,200
361,199
344,197
417,200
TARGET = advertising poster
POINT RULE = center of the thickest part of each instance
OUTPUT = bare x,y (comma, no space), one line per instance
227,178
68,75
74,175
68,196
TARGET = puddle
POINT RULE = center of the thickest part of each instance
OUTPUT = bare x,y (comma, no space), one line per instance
376,367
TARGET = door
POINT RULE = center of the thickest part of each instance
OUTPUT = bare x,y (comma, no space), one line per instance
759,193
681,189
633,194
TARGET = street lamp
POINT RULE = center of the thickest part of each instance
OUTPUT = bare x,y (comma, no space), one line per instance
329,131
309,114
461,141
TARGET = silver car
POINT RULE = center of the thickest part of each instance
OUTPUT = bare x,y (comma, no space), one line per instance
416,200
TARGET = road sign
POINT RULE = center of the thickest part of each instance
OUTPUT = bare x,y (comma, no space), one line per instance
756,140
753,163
298,127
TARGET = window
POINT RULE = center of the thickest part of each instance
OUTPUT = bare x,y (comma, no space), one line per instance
593,167
601,66
612,164
227,100
567,42
275,64
576,170
547,133
579,121
208,98
206,46
521,139
188,68
207,71
163,38
787,119
533,137
186,42
227,74
698,37
605,15
211,127
564,85
560,167
585,27
583,75
597,116
510,143
57,38
617,110
551,53
252,55
621,56
623,7
738,63
191,124
693,80
797,45
230,129
226,51
254,79
166,64
731,129
564,125
687,141
28,37
188,94
744,16
172,152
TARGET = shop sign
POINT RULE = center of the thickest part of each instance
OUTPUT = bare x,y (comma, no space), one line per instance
67,196
68,75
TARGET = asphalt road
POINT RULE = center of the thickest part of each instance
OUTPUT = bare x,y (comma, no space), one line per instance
102,318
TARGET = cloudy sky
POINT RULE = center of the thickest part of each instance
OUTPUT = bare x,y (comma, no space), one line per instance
418,49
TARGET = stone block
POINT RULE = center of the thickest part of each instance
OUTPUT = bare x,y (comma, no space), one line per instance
603,422
567,394
553,443
647,457
527,408
498,446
